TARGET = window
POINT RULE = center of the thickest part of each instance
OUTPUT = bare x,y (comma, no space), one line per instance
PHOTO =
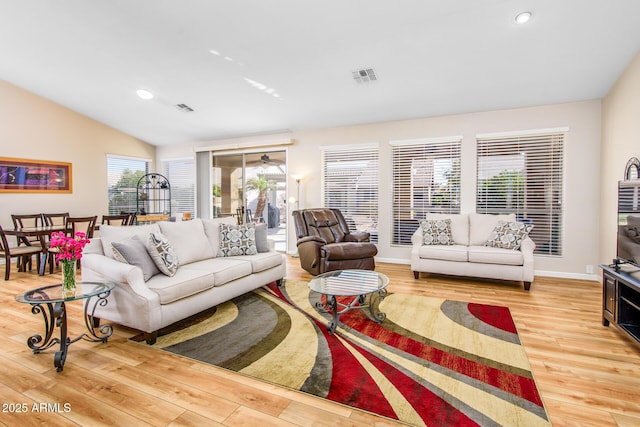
523,174
350,183
426,178
123,174
181,174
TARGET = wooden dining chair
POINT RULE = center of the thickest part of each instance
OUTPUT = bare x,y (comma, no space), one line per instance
27,220
55,218
116,219
84,224
132,217
22,253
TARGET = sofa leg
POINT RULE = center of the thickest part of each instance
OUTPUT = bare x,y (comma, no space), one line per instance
527,286
279,282
416,275
150,337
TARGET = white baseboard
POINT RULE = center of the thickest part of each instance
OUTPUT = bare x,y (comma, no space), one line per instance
559,274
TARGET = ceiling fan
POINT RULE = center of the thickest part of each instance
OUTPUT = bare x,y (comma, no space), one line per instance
266,160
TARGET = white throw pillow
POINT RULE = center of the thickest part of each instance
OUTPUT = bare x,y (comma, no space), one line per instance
481,226
459,226
237,240
508,235
188,239
116,233
162,253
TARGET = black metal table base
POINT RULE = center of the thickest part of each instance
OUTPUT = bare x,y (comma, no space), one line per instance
359,302
55,316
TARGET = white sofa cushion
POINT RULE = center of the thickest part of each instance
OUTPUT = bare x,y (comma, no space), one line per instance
212,230
263,261
444,252
224,269
459,226
116,233
184,283
188,240
489,255
481,226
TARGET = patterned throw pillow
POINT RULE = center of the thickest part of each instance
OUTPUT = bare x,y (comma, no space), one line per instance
237,239
162,253
436,232
508,235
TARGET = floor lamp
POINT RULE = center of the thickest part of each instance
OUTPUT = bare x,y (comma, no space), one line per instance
296,200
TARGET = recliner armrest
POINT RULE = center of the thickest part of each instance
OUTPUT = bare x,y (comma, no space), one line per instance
359,236
315,239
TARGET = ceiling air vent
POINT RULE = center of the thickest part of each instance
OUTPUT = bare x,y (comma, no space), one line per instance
365,75
184,107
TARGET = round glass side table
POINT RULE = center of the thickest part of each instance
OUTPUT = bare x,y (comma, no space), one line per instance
50,301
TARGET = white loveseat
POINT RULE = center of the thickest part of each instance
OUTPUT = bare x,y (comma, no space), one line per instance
203,278
464,252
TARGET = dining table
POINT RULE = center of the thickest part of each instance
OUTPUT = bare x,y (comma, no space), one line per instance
41,232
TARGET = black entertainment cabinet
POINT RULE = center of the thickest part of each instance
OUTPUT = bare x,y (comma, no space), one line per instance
621,298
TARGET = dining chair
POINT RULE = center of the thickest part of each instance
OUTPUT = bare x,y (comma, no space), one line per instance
55,218
116,219
27,220
132,217
23,253
84,224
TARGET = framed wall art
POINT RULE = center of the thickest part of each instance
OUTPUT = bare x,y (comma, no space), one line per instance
34,176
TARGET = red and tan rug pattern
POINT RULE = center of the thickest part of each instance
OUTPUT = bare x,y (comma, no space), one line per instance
430,362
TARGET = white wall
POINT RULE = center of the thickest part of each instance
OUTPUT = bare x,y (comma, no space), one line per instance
582,169
32,127
620,142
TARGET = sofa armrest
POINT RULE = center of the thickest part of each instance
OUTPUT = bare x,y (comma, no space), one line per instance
101,268
527,247
417,238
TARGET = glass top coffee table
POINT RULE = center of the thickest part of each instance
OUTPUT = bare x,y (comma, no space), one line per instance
357,289
55,315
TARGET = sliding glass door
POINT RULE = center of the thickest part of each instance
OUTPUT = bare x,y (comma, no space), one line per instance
252,188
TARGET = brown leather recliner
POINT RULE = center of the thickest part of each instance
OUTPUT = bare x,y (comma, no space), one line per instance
325,243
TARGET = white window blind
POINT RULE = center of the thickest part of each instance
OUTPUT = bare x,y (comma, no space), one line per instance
523,174
350,183
123,174
181,174
426,178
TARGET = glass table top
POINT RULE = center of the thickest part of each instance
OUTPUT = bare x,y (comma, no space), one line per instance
53,293
349,282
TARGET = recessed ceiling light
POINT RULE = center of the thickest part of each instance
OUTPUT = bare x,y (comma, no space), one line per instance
144,94
523,17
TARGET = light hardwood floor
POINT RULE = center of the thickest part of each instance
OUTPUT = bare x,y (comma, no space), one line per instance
588,375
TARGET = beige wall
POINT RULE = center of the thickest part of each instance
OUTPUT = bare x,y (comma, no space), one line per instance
620,142
582,165
32,127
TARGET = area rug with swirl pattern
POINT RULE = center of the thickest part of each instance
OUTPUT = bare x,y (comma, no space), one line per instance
430,362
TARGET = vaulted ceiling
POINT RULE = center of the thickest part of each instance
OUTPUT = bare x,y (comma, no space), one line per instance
255,66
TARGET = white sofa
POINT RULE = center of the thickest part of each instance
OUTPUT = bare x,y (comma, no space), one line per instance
464,252
203,278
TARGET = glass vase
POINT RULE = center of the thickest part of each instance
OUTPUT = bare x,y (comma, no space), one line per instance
68,277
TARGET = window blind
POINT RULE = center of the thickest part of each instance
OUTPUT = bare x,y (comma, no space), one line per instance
426,178
523,174
123,174
350,183
181,174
